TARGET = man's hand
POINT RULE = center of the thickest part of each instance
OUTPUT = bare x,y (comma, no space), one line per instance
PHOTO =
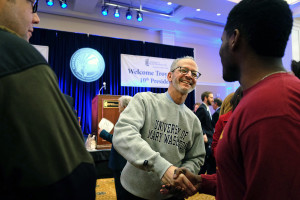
195,179
178,191
180,183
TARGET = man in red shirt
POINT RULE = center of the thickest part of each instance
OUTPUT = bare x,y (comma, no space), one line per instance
258,154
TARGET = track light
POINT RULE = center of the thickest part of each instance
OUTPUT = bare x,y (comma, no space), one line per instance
139,16
63,3
117,13
50,2
104,10
128,14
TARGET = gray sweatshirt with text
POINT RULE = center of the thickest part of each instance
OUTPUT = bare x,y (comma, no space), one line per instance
152,134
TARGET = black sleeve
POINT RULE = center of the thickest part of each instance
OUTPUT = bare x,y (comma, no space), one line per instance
215,118
206,123
106,135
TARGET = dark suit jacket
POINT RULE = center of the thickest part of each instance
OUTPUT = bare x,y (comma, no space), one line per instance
116,161
204,117
215,117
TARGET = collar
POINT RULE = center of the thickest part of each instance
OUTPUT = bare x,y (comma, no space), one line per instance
8,30
169,97
206,105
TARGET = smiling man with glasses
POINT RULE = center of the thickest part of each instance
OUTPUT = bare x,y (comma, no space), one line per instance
183,72
42,153
157,133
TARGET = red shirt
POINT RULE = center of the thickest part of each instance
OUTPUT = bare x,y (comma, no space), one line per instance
223,119
258,156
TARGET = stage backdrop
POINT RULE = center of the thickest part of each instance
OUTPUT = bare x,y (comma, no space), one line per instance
63,44
145,71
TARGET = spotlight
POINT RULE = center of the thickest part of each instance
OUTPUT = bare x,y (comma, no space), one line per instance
63,3
104,10
128,14
117,13
139,16
49,2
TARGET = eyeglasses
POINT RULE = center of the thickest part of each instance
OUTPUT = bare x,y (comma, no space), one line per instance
184,70
35,6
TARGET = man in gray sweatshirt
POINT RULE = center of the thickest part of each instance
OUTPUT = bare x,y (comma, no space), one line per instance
157,133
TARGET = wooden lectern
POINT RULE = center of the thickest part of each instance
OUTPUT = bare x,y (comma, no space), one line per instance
104,106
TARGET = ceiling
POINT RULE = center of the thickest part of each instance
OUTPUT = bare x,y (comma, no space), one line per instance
179,17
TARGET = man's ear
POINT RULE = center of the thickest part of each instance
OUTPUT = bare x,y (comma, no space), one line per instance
235,39
169,76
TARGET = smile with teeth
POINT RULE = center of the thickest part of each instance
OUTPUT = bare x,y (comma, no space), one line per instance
187,82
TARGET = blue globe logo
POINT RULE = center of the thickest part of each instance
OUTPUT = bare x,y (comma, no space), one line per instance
87,64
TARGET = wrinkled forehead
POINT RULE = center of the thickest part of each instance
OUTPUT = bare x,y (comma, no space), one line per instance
188,63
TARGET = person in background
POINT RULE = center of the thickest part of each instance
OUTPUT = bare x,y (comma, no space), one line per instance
196,106
295,66
216,106
258,155
116,161
157,133
203,114
42,149
226,105
223,119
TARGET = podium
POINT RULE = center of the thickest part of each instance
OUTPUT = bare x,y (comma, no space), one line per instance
104,106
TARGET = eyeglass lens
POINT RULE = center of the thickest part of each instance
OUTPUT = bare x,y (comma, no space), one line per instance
185,70
35,6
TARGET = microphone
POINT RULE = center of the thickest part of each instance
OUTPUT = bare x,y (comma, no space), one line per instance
103,86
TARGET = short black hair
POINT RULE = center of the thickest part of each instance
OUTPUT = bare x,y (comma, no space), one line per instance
218,101
265,25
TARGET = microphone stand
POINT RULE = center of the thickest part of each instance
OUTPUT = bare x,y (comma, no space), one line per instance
101,89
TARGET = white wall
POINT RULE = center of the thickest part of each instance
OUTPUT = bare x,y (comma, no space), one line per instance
62,23
292,51
296,40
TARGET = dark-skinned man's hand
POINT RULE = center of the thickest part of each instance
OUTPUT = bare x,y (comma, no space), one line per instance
178,191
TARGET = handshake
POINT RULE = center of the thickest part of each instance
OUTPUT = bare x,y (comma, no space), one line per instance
180,182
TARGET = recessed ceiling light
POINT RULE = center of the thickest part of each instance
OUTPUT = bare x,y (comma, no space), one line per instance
169,3
219,14
198,9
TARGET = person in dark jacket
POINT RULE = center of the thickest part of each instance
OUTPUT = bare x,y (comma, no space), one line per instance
42,150
204,115
216,106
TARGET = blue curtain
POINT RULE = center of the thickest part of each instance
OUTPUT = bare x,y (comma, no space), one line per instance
62,45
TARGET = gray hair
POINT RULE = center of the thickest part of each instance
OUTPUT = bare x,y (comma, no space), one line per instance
124,100
174,64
